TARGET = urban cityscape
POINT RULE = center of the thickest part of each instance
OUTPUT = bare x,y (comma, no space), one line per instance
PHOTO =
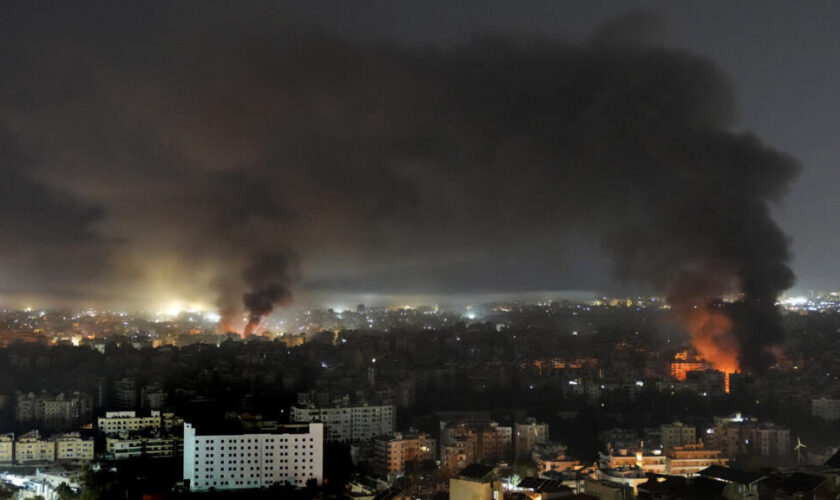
558,397
434,250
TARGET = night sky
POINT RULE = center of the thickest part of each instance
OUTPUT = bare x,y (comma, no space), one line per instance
198,151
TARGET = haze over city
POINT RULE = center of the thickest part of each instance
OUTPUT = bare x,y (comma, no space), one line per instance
449,249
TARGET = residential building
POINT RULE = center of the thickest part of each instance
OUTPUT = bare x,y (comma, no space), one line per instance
125,394
457,454
648,461
349,423
405,394
7,447
54,411
31,448
625,477
72,446
225,460
677,434
528,435
726,437
607,490
475,482
537,488
770,440
690,459
488,441
392,453
552,457
730,434
826,408
115,422
684,362
136,445
740,485
152,397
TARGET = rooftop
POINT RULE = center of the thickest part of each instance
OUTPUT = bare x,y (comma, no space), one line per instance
476,472
731,475
539,485
235,427
834,461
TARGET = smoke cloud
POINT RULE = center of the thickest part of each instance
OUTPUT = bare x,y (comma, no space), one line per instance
270,278
210,135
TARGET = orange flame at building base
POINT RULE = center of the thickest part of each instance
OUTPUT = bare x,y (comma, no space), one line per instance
712,338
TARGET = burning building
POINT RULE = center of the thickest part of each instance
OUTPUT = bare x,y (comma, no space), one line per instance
687,361
684,362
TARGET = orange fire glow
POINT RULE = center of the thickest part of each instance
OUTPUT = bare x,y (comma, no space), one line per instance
711,336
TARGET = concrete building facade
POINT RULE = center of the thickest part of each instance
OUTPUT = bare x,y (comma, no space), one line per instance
677,434
72,447
392,453
528,435
826,408
152,445
7,447
30,447
293,454
115,422
349,423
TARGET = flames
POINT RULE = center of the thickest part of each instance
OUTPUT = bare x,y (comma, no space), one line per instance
244,328
251,327
712,338
711,333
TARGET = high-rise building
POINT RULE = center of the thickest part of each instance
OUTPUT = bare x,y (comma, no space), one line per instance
405,394
225,460
125,394
349,423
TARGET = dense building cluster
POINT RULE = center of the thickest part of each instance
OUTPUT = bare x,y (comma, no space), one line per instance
600,398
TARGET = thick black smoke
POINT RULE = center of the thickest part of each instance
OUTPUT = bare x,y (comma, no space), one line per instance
270,278
208,135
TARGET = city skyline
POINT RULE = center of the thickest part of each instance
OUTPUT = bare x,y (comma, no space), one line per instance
419,250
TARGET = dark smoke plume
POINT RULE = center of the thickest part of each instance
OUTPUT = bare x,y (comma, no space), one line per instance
212,134
270,278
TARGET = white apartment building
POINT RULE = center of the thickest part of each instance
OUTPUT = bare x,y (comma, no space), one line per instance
826,408
31,448
71,446
349,424
116,422
7,447
293,454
